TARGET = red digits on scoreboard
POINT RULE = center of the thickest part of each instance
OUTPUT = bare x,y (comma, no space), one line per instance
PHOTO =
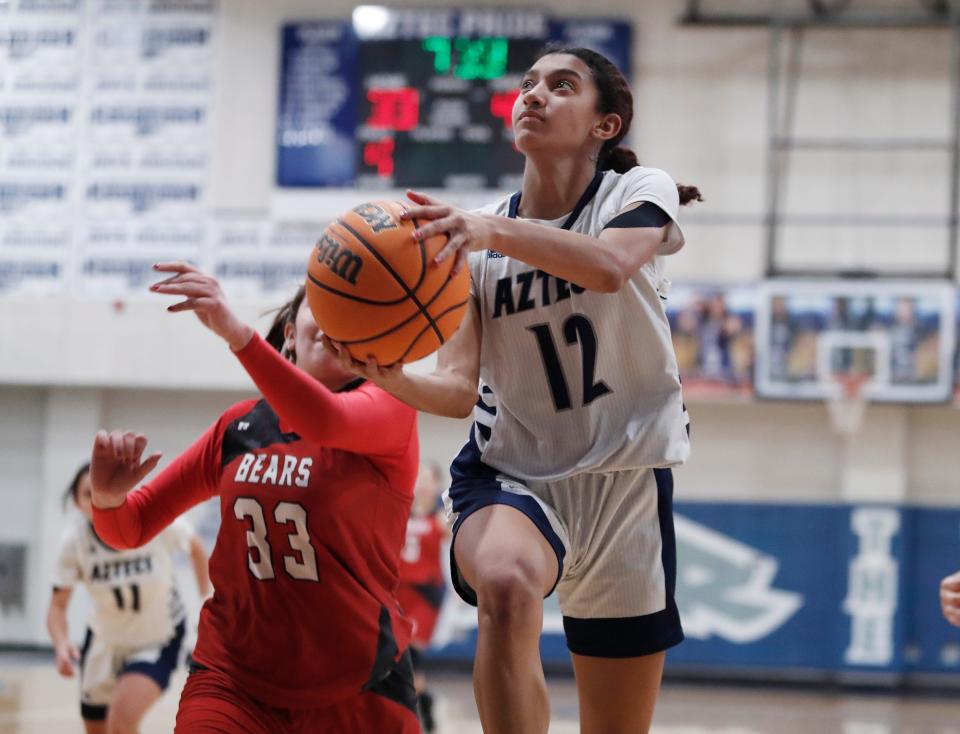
394,109
501,105
380,154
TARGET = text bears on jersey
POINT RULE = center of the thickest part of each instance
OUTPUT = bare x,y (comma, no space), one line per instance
530,289
266,469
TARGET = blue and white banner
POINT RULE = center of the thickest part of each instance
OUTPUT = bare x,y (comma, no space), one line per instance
106,129
793,590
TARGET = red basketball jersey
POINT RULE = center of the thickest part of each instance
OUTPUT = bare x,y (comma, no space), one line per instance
313,509
420,560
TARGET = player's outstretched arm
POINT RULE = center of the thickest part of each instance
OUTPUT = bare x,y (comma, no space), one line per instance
450,390
67,655
116,466
124,518
312,410
201,294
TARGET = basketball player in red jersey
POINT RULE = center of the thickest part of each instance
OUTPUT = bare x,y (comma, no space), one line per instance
422,584
303,632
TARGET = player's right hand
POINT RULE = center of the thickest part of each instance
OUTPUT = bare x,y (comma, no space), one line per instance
116,468
369,370
466,231
67,657
950,598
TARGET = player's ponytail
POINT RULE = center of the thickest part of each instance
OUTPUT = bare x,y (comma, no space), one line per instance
613,96
74,487
618,159
688,194
286,314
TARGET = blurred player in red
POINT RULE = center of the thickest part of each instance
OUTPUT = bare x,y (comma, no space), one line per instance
303,633
422,583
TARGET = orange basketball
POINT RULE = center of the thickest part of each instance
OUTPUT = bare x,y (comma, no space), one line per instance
375,289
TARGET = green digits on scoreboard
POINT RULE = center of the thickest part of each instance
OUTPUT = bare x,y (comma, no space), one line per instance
476,58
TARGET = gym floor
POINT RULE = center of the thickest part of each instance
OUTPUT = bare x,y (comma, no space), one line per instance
35,700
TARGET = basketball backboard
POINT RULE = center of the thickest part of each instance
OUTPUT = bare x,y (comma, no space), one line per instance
898,335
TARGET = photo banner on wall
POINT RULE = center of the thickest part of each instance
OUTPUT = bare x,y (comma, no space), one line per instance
956,355
712,327
897,335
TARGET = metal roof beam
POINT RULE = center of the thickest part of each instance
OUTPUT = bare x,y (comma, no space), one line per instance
811,21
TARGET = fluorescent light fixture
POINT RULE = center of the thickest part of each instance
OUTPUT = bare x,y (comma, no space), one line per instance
370,21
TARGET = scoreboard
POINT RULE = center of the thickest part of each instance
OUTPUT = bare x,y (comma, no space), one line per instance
437,90
420,98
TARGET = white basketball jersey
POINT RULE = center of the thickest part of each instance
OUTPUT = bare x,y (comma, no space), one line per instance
572,380
135,599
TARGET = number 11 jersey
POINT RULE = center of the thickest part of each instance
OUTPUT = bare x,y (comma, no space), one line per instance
573,380
133,592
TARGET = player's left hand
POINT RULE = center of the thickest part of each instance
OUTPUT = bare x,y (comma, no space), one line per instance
67,657
203,296
467,232
950,598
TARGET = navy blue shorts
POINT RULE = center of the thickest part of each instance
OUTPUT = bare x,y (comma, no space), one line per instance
99,673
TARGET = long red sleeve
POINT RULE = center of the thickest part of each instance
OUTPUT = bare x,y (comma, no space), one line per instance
365,421
190,479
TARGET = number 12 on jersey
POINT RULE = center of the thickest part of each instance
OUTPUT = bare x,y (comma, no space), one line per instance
577,328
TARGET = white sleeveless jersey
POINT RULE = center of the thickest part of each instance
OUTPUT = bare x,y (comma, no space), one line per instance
577,381
135,599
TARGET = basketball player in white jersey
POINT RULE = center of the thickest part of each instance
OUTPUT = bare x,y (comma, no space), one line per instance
565,482
134,638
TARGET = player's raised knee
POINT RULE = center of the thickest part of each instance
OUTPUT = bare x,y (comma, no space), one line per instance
508,591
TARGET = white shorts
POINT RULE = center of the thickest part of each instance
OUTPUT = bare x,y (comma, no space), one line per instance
613,536
102,664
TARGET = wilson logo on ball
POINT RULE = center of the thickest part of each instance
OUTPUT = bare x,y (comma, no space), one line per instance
345,263
377,217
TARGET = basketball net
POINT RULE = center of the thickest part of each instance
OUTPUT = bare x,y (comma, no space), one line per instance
847,404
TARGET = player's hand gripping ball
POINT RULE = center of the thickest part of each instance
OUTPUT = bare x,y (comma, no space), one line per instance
376,290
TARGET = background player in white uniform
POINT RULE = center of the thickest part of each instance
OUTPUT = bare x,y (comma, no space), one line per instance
133,640
565,481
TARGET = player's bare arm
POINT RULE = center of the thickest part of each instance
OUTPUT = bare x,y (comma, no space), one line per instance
600,264
450,390
66,653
